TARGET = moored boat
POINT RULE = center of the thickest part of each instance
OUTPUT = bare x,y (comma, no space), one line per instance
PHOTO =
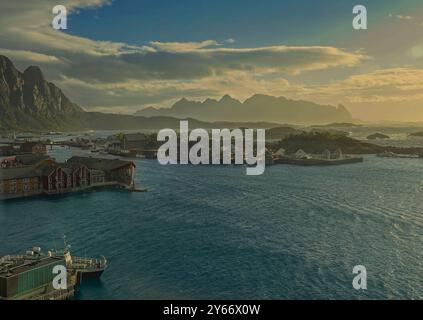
84,268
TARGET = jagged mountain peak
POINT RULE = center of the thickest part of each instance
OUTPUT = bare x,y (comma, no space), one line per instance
33,74
27,100
259,107
5,62
226,98
182,100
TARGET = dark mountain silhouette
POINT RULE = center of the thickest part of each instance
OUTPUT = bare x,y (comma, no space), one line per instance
258,107
28,101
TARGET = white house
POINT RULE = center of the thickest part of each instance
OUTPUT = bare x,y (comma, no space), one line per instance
280,153
300,154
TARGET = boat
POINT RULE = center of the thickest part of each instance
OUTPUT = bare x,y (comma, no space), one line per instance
84,268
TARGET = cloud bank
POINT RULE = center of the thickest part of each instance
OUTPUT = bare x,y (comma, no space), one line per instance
118,74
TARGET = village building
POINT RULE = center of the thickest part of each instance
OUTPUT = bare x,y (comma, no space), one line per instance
33,147
300,154
23,160
326,154
115,171
24,175
134,142
114,146
19,181
280,153
63,178
337,154
6,150
97,177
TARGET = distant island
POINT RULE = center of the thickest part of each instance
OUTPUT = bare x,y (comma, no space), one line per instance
281,132
259,106
339,125
416,134
377,136
316,142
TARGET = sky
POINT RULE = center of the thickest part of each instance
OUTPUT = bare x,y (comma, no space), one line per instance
124,55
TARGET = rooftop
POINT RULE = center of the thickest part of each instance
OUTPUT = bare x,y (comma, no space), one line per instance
100,163
30,144
31,159
135,137
13,265
19,172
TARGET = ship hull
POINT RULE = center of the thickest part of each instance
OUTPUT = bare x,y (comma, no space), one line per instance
84,275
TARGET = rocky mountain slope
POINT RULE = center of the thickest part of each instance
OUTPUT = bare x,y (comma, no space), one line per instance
28,101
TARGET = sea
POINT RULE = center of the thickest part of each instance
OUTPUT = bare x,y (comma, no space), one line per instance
212,232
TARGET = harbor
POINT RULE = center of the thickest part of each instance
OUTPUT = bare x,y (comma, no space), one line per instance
198,226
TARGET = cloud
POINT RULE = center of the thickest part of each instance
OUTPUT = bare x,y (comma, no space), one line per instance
29,56
385,85
105,73
400,16
181,46
416,51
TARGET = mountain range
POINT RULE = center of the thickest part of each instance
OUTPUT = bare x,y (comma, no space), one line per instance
28,102
258,107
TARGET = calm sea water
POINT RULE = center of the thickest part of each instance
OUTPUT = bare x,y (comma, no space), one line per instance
212,232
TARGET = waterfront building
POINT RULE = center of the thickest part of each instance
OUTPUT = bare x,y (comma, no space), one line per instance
97,177
7,150
33,147
326,154
134,142
300,154
63,178
115,170
19,181
280,153
114,146
37,175
337,154
23,160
